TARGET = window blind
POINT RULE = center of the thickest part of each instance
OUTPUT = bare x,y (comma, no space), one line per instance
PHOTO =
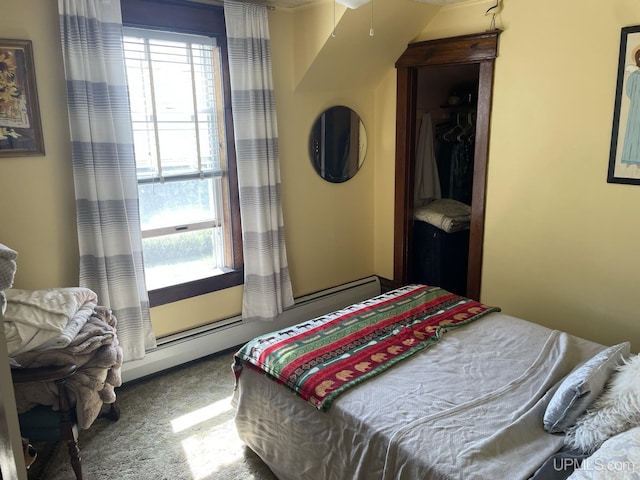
175,105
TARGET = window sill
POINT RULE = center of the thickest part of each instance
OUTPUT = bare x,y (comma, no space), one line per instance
174,293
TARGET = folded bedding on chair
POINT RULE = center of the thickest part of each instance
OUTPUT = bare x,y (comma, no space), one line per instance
44,319
7,266
98,355
7,272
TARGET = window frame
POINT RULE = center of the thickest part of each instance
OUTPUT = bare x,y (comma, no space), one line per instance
208,20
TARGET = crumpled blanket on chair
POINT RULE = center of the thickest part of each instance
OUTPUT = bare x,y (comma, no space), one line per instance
98,355
44,319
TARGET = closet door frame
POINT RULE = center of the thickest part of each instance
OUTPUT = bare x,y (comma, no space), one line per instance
482,49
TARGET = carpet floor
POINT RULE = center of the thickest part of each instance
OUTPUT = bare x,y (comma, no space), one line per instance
177,425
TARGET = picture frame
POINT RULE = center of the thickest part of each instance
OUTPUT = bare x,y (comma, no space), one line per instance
624,152
20,125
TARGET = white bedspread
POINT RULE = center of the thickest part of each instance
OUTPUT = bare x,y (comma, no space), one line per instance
469,407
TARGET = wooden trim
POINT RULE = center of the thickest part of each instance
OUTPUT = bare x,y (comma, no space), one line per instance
446,51
173,293
479,48
405,160
387,285
175,16
481,153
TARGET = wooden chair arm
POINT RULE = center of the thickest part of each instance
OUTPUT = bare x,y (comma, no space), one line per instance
42,374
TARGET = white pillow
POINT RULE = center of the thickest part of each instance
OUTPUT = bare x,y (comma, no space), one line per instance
581,387
617,459
613,412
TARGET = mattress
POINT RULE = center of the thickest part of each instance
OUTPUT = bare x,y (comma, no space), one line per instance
467,407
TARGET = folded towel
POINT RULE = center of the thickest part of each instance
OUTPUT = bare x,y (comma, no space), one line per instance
44,319
7,266
446,214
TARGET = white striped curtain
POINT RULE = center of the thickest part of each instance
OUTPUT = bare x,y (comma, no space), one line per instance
104,167
267,286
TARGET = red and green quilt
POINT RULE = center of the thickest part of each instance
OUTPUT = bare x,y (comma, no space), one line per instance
321,358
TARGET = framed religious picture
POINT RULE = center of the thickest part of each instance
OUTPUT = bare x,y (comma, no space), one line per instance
624,154
20,127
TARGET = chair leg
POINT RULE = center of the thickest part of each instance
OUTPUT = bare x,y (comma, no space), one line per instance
69,430
74,455
30,454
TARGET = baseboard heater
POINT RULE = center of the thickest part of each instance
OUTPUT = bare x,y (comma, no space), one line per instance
200,342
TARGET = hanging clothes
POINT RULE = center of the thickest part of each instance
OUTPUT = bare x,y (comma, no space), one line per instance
426,180
454,158
461,178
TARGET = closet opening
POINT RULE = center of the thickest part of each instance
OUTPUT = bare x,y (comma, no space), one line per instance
442,129
446,110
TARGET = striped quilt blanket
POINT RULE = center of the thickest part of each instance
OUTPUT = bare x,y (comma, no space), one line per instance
321,358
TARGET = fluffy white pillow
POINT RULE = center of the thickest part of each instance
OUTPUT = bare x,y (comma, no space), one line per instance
616,459
615,411
581,387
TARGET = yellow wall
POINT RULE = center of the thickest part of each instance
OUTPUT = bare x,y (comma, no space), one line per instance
562,247
36,193
560,243
329,227
385,173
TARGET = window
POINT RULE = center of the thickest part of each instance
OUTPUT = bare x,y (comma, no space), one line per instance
185,165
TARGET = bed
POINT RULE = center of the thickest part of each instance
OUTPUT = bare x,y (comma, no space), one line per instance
467,402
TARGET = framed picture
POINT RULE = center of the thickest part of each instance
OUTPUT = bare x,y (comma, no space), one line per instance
624,154
20,128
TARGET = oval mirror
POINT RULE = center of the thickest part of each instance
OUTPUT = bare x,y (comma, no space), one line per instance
337,144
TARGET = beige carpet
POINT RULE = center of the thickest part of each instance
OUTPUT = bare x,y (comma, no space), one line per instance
174,426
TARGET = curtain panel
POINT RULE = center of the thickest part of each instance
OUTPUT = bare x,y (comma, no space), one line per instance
267,286
104,169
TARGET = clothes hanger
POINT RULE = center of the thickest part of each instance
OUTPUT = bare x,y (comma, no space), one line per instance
468,128
447,135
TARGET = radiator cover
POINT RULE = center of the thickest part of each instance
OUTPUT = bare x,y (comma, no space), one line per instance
187,346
